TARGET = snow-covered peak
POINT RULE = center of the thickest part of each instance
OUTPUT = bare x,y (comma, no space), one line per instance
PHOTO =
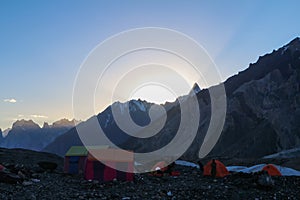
139,104
134,105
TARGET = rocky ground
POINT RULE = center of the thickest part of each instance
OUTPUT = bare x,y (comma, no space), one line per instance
45,184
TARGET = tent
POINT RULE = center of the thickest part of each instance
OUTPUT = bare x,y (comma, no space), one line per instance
221,170
272,170
75,160
101,165
161,165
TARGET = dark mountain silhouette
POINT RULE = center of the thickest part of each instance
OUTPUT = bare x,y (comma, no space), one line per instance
263,113
28,135
1,137
263,106
138,112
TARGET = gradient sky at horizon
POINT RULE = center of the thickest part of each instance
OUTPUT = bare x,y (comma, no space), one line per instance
43,43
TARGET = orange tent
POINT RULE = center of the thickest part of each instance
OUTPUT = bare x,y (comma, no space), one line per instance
272,170
221,170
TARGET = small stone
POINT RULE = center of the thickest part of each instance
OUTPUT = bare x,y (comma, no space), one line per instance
27,183
35,180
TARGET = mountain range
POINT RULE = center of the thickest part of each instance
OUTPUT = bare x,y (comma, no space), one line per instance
262,118
27,134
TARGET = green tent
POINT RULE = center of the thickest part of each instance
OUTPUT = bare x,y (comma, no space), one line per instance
77,151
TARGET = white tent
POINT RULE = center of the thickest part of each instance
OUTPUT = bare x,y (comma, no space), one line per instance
285,171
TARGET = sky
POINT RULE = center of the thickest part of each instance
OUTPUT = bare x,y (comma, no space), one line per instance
44,43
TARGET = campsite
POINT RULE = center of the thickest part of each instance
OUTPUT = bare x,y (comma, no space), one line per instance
40,183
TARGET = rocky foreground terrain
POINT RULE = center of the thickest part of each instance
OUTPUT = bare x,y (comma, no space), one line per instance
44,184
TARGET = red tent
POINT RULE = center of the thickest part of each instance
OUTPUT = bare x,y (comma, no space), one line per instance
221,170
101,164
272,170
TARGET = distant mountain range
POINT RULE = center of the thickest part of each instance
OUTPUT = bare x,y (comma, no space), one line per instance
28,135
263,113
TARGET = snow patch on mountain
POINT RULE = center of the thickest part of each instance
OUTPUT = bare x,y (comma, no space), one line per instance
5,132
290,153
108,119
284,49
140,105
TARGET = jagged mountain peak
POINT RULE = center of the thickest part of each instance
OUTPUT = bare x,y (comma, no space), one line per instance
196,88
46,125
25,124
133,105
261,118
64,123
295,41
293,46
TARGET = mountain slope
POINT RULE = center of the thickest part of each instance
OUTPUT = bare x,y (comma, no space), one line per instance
263,111
139,113
263,106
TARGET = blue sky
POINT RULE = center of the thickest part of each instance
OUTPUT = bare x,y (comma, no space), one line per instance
43,43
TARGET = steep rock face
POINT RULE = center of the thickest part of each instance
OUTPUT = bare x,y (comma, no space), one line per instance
263,114
1,136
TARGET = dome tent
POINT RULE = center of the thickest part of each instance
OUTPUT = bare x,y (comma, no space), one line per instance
220,170
272,170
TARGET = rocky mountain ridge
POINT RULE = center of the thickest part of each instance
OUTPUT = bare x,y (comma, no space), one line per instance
263,108
29,135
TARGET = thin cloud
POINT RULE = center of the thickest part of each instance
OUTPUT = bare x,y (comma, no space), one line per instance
10,100
39,116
